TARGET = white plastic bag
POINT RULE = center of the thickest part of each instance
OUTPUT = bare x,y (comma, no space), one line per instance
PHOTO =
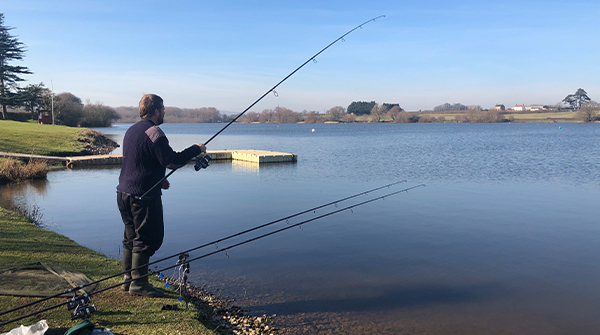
36,329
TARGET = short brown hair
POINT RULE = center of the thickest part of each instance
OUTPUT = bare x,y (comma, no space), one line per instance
149,104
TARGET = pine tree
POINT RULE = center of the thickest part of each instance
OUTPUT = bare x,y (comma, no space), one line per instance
10,49
578,99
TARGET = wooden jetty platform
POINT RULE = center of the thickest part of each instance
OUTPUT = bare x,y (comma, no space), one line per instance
256,156
28,157
253,156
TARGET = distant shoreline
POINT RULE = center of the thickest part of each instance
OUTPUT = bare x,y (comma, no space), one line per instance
430,117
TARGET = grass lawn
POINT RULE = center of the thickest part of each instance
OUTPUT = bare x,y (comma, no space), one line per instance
448,117
32,138
545,116
21,242
451,116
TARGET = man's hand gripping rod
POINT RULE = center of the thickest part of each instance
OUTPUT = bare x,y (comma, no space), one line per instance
202,161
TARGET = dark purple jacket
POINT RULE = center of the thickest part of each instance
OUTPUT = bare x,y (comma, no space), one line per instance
146,155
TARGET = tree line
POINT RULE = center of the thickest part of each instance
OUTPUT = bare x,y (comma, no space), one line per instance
178,115
447,107
285,115
69,110
213,115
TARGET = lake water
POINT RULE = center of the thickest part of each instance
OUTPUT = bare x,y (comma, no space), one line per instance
503,239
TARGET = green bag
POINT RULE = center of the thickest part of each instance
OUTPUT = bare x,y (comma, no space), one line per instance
86,327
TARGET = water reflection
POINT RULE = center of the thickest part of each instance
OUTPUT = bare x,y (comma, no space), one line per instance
22,194
245,167
400,297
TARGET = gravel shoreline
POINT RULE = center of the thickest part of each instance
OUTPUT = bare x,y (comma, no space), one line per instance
96,143
222,315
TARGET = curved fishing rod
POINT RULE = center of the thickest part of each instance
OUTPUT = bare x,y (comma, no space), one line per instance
224,249
259,99
75,289
210,139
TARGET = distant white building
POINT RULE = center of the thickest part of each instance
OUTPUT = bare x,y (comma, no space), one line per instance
535,108
519,108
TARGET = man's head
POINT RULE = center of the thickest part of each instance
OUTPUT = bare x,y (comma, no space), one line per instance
151,107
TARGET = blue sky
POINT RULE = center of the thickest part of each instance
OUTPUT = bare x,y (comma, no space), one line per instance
225,54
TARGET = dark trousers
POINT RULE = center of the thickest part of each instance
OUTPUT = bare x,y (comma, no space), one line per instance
143,219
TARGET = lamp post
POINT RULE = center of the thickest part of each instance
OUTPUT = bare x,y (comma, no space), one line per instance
52,89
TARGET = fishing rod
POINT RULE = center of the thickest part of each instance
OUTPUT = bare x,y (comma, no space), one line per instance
87,297
314,209
202,162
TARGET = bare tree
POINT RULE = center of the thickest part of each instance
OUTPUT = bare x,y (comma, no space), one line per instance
349,118
250,117
265,116
589,111
313,117
394,112
336,113
491,116
377,113
98,115
284,115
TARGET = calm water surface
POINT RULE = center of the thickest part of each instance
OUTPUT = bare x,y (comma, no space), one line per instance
503,239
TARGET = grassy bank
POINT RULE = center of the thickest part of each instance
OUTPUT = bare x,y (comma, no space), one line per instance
50,140
545,117
21,242
549,116
454,116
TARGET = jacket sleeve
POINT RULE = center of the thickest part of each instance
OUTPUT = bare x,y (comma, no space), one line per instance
165,154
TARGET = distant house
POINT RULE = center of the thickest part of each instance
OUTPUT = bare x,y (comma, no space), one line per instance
44,116
519,108
499,107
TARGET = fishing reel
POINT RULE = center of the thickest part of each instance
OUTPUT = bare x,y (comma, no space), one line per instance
202,162
81,306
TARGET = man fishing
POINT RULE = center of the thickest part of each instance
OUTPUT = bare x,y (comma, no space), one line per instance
146,156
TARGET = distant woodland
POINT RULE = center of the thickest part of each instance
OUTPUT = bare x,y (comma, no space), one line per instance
372,112
177,115
357,110
581,109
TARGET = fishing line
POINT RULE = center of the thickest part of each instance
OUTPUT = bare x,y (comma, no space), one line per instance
222,250
202,162
215,242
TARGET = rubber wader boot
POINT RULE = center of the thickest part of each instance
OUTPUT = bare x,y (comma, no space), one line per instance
140,284
126,267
